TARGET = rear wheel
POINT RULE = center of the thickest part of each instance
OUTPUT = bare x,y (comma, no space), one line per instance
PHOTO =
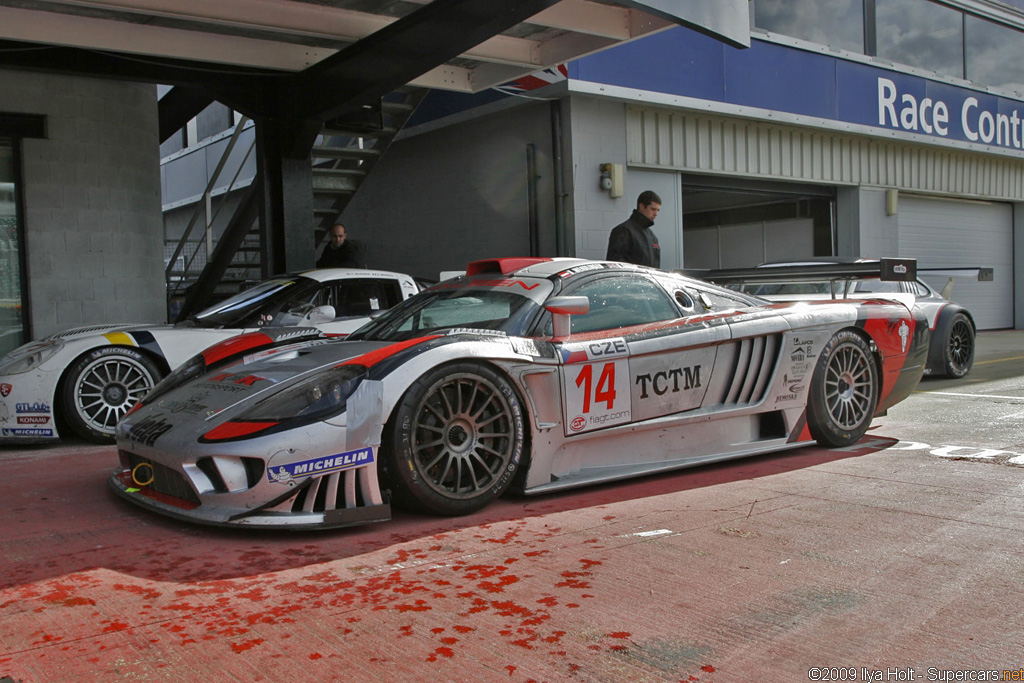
844,391
103,385
959,350
455,440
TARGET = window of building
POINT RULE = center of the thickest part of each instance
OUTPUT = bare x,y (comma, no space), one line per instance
919,33
994,54
922,34
12,322
839,23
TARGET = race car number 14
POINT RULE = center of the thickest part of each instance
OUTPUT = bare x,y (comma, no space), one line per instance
596,395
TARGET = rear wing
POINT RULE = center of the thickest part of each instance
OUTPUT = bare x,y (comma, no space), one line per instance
836,275
888,269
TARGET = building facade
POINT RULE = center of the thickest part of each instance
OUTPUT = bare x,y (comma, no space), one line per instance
79,204
849,127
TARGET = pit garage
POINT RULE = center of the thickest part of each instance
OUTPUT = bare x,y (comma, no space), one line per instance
946,233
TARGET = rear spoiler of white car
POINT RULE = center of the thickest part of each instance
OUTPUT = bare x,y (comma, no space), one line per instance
889,269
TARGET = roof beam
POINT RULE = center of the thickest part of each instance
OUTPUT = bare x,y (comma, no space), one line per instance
392,57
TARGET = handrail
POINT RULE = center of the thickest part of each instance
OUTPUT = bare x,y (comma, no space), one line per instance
209,187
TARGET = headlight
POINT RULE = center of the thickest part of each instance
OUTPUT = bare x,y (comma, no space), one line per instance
314,398
29,357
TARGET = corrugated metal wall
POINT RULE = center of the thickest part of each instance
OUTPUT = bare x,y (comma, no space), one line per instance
697,142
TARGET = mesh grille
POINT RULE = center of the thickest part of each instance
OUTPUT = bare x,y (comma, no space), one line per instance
165,480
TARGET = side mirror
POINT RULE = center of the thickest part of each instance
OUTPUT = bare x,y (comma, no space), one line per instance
320,314
561,307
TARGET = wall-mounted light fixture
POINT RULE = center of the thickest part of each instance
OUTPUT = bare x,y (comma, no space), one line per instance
892,202
612,179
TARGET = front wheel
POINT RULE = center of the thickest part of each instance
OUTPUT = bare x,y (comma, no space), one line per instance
454,441
844,391
103,385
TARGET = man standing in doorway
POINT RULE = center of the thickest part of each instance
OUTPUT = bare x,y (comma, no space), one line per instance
633,241
340,252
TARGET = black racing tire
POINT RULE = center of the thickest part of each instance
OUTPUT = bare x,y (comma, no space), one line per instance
454,441
958,346
844,391
102,385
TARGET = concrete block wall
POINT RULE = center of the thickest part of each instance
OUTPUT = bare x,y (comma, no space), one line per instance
442,197
599,136
94,232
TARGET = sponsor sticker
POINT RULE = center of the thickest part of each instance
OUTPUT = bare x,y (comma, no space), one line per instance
33,419
26,431
286,474
580,352
36,407
5,389
596,395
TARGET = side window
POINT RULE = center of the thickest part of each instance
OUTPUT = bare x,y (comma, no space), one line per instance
621,302
918,289
877,287
359,296
715,300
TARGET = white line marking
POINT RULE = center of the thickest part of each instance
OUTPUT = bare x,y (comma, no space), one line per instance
656,532
953,393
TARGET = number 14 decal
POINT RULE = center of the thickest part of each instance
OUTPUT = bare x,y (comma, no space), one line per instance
596,395
605,390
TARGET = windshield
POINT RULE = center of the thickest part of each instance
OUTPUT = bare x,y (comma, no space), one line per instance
455,305
278,302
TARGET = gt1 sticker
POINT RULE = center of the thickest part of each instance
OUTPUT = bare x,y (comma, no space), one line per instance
286,474
596,395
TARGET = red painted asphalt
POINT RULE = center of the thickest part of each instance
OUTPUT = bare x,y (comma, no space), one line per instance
756,570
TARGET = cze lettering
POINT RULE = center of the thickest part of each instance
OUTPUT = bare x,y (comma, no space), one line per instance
615,347
674,380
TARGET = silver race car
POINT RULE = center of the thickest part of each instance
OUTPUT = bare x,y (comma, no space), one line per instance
87,378
539,374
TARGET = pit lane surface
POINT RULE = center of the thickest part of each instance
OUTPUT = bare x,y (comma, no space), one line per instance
900,553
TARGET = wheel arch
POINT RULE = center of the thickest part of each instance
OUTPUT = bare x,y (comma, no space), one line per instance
526,410
936,351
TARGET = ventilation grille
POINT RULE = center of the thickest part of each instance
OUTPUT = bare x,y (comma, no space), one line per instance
167,481
346,490
753,367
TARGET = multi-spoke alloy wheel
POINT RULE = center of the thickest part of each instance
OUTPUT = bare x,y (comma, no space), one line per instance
457,441
959,346
102,386
844,390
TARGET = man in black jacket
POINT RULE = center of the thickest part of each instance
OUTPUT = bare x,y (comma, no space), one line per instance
633,241
341,252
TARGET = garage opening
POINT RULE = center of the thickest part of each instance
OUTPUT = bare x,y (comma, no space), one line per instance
740,224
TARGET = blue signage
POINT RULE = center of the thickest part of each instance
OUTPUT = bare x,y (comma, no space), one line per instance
782,78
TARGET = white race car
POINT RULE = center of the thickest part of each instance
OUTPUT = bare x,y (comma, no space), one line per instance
87,378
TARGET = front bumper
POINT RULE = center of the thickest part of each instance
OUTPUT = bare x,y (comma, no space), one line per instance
345,496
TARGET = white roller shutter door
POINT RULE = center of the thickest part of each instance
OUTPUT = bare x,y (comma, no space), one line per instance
943,233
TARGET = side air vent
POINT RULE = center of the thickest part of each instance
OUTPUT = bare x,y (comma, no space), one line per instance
755,361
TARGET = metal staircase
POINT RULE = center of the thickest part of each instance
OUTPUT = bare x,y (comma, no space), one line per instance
205,268
347,151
